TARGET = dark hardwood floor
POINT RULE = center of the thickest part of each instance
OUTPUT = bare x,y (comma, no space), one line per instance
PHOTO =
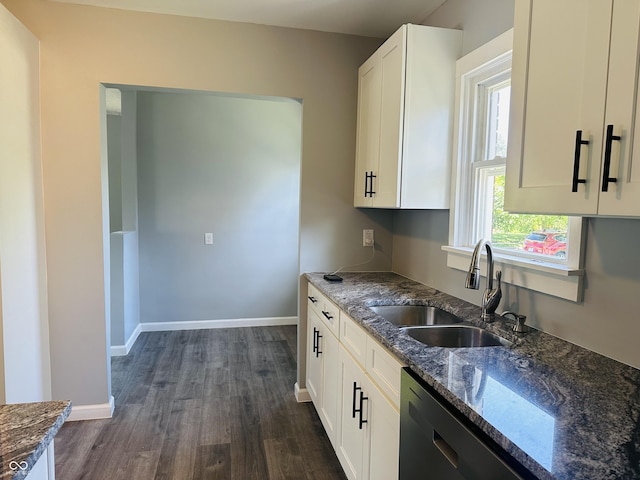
202,404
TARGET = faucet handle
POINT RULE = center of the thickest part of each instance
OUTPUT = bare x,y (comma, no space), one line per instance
520,326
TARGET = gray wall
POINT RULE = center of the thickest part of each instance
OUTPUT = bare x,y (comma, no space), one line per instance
130,262
116,248
226,165
480,20
123,216
606,321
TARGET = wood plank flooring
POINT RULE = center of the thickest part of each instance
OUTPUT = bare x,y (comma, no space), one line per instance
202,404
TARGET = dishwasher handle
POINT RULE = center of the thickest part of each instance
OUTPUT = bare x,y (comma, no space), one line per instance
446,449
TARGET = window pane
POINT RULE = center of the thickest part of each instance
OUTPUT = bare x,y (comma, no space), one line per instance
544,235
498,121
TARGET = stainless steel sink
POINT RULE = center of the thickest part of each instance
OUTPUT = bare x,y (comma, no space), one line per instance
455,336
415,315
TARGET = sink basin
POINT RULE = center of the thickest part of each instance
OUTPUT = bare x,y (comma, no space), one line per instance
455,336
415,315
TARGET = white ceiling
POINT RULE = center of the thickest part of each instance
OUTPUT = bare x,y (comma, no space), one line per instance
372,18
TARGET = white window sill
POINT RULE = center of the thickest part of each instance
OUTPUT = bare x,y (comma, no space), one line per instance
545,277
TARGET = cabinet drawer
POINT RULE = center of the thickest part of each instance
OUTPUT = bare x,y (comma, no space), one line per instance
314,299
330,316
384,369
353,338
325,309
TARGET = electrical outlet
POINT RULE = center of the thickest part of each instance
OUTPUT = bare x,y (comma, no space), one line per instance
367,238
208,238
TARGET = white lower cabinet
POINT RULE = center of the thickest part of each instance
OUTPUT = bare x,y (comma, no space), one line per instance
368,426
322,372
44,468
354,384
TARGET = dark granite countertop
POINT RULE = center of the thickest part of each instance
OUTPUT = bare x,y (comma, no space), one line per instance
562,411
26,430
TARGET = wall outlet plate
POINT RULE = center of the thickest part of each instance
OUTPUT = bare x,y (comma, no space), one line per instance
367,237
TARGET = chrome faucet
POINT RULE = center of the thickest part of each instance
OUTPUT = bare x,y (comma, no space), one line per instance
491,297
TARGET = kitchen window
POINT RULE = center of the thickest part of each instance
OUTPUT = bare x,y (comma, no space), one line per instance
539,252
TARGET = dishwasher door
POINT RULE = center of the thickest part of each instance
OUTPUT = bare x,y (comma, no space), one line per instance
435,445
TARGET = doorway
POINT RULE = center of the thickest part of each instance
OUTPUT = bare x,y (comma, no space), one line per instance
204,205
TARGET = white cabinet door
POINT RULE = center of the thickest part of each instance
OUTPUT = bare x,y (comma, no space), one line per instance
328,349
384,429
559,81
386,184
314,361
368,130
380,97
352,445
622,197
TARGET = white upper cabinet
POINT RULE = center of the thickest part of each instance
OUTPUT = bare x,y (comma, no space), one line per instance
405,119
573,108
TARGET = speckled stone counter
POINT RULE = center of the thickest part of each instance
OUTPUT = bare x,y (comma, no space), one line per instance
26,430
563,412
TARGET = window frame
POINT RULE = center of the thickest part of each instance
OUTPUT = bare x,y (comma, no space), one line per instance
564,279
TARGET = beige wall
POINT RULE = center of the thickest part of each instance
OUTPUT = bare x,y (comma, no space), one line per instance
84,46
25,338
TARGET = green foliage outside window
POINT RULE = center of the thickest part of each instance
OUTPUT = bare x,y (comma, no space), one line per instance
510,230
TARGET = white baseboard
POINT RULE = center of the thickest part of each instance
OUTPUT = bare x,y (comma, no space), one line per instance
123,350
92,412
302,394
205,324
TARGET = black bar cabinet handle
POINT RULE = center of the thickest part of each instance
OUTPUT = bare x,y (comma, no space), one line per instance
362,399
315,340
607,159
318,351
576,161
327,315
354,410
366,184
313,300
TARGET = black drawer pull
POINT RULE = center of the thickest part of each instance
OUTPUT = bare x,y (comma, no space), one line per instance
327,315
607,159
313,300
576,161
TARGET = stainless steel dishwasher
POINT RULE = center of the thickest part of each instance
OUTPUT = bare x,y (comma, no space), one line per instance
435,444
